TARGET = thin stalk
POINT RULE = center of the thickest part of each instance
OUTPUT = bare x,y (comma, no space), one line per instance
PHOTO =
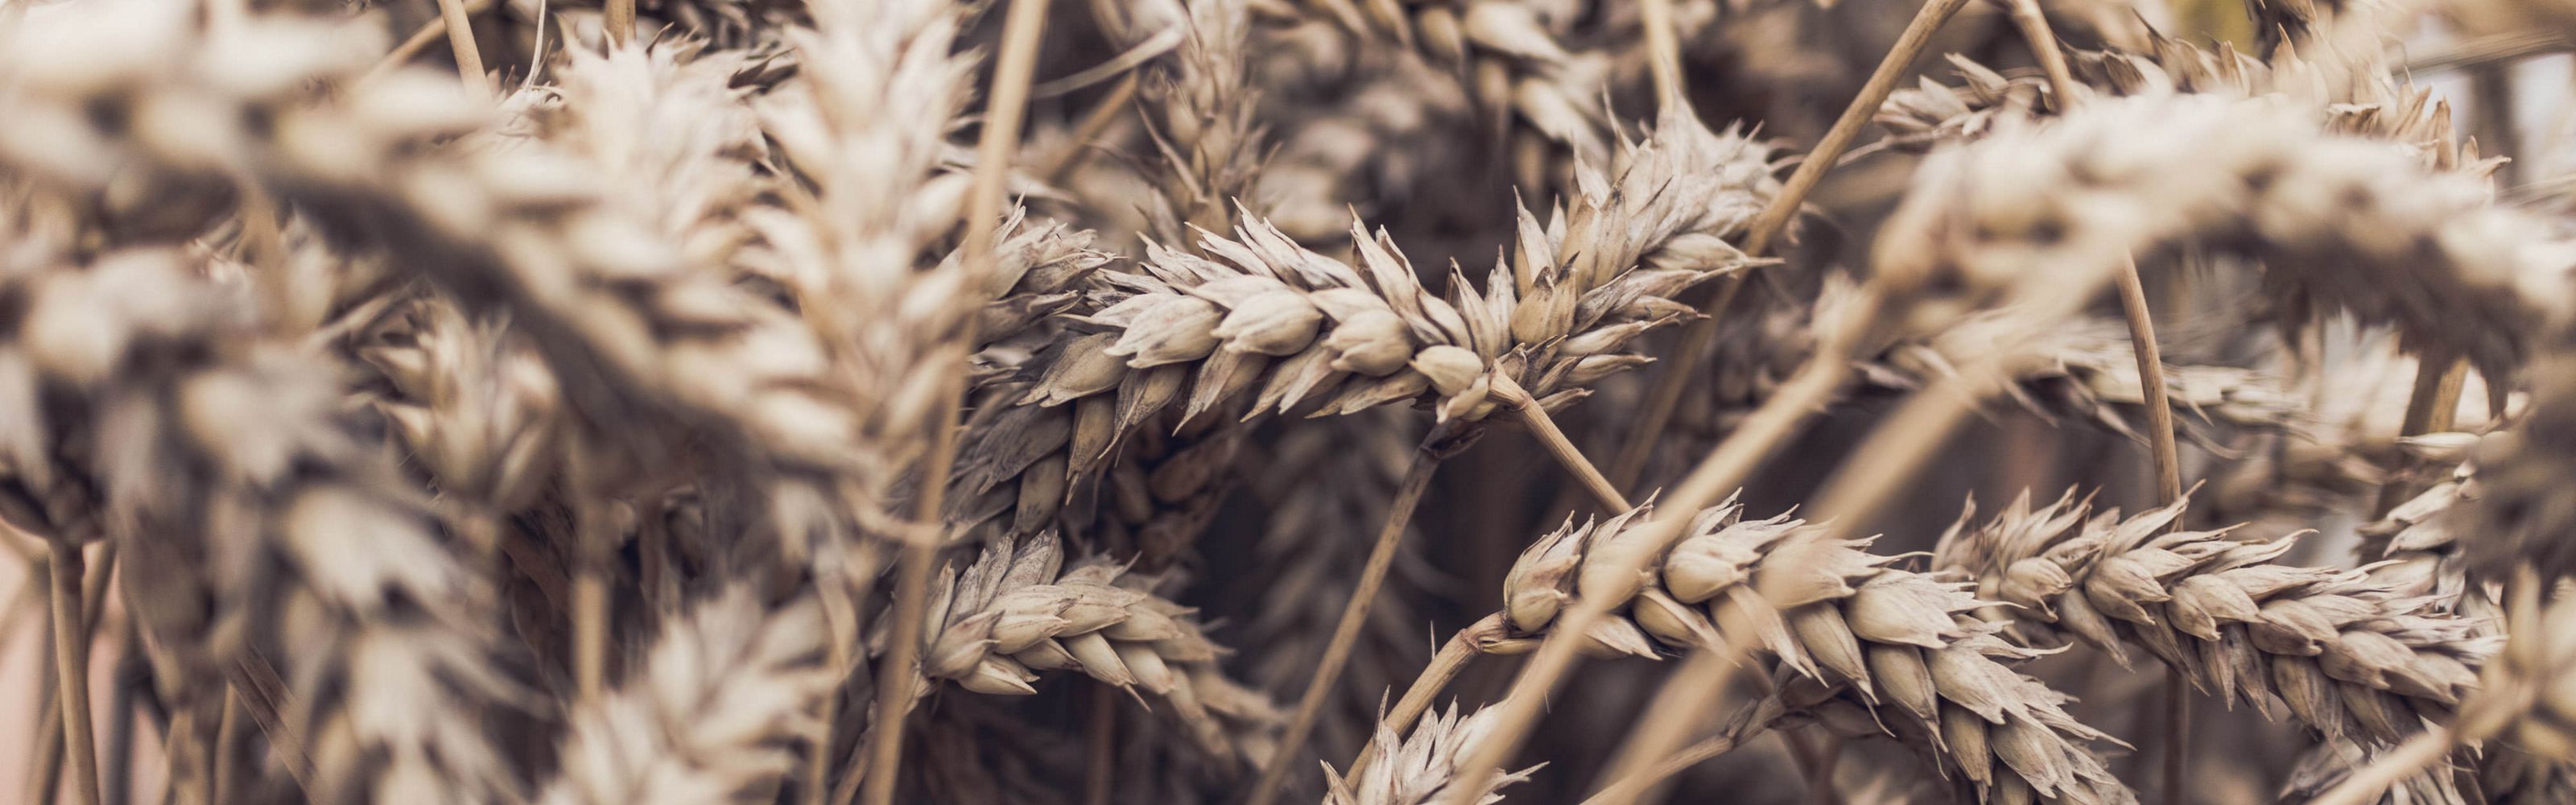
2033,23
1632,786
621,21
1664,56
2503,48
227,758
44,769
1692,349
1820,779
1012,73
2168,467
1692,689
1435,677
460,38
1785,414
129,675
1346,632
2151,374
264,698
1098,782
185,748
429,32
2432,407
2492,118
590,604
2177,737
1093,124
71,667
1543,427
897,679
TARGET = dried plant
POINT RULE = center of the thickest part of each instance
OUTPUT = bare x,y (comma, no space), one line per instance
877,401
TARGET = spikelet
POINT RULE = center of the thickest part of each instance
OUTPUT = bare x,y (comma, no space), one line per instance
1017,612
1421,769
712,715
1847,630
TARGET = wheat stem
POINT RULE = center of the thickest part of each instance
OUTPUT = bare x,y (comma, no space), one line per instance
2499,48
45,764
2033,23
1093,124
1820,778
71,666
227,749
1664,56
2431,407
1693,688
1543,427
1427,685
460,37
1634,785
2413,756
1764,432
1693,347
2168,468
1000,140
621,21
1346,632
590,621
130,674
420,39
898,680
1099,780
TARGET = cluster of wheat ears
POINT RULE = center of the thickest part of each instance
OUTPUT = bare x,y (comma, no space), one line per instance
1398,402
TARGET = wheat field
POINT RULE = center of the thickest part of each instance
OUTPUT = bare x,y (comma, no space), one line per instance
1243,402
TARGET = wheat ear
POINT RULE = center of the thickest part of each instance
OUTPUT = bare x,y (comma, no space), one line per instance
1421,768
1833,615
712,714
2332,648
